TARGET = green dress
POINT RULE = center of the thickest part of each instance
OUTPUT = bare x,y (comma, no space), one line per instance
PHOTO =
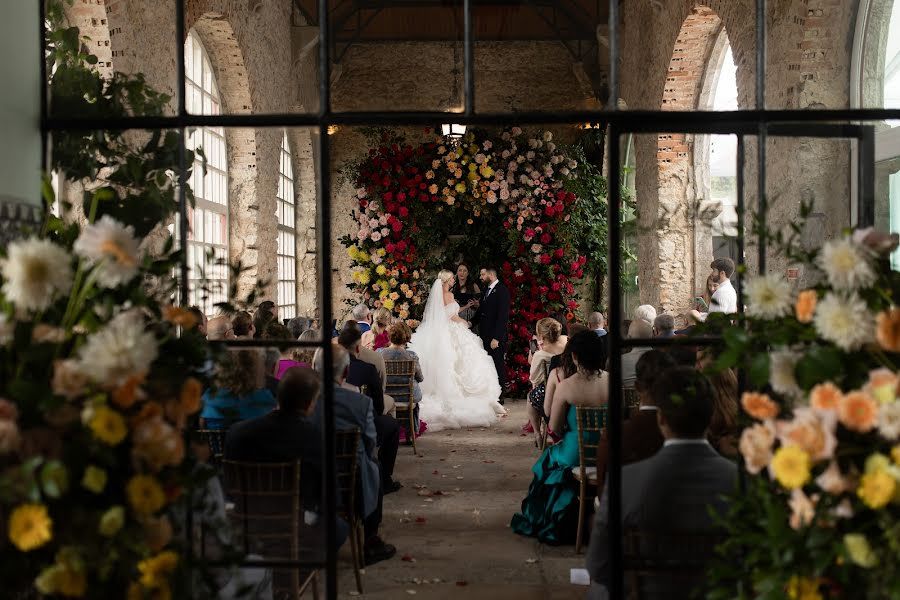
550,510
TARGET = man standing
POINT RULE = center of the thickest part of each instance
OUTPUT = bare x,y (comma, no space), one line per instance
724,299
492,317
597,323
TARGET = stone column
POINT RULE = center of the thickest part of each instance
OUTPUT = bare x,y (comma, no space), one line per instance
20,151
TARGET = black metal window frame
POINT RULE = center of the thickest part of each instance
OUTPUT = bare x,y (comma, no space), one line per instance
758,123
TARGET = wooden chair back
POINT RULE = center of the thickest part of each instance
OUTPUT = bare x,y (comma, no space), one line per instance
401,391
346,444
591,420
215,440
671,564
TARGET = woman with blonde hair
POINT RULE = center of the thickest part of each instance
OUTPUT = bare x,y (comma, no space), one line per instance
550,342
377,336
460,387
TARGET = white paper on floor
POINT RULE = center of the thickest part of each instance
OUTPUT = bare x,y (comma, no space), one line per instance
579,577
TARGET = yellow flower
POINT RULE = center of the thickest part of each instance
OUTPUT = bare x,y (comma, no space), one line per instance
30,527
66,577
388,304
790,466
352,252
381,252
895,454
860,551
362,257
877,488
156,570
364,277
460,187
111,521
803,588
145,495
876,462
486,171
94,479
473,176
381,269
108,425
137,592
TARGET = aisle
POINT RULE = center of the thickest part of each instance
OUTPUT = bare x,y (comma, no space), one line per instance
453,530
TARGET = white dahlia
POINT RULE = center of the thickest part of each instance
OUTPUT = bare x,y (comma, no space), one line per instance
844,320
35,272
847,265
113,248
768,297
889,421
781,373
121,349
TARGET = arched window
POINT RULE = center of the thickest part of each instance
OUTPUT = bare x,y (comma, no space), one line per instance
875,82
287,235
208,237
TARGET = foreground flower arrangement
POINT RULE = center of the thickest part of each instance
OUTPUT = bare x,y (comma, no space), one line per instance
96,393
820,516
505,194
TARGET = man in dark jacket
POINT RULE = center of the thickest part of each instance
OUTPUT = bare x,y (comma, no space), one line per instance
492,318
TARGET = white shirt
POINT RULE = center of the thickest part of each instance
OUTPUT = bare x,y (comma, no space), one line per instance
685,441
491,287
724,299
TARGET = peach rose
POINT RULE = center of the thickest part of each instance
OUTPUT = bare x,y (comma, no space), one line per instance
10,438
129,392
759,406
47,334
825,397
887,331
803,509
756,446
182,317
190,396
811,432
157,444
69,379
833,481
882,385
858,411
157,532
805,307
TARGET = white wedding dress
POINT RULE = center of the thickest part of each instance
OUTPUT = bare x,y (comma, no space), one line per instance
459,386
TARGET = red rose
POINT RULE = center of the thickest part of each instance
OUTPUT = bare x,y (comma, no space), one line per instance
403,212
401,246
549,211
396,225
363,203
553,296
401,197
385,165
555,286
559,253
545,239
572,305
389,248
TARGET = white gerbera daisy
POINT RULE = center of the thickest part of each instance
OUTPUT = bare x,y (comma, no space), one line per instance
121,349
846,265
844,320
35,272
781,373
889,421
113,248
768,297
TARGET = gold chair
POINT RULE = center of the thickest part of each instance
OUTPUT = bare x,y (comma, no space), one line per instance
657,563
346,444
407,370
591,419
630,400
267,514
215,440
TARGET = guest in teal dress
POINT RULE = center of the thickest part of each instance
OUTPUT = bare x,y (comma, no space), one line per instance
550,510
239,391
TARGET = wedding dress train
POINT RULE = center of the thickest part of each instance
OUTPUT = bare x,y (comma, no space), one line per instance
459,387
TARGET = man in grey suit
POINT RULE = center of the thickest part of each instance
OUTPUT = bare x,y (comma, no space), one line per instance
352,409
673,491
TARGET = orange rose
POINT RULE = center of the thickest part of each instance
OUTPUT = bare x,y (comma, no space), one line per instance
825,397
189,398
810,432
888,330
150,410
182,317
858,411
759,406
805,307
125,395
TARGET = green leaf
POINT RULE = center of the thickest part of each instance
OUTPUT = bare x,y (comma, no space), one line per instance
818,364
758,371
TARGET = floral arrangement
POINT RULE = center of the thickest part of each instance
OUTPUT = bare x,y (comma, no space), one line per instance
506,192
820,515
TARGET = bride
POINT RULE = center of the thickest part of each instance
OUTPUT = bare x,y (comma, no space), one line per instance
459,387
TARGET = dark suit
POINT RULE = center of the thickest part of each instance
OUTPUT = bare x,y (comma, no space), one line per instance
386,427
641,439
670,492
492,318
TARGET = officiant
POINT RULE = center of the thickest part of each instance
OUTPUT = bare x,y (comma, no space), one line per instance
466,292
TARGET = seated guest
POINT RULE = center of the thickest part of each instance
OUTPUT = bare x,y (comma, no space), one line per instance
723,427
641,437
305,354
685,356
645,313
377,336
549,343
565,368
673,491
550,510
200,318
374,358
239,391
277,331
242,326
265,314
360,314
352,409
297,326
388,430
639,329
597,323
400,334
664,326
218,328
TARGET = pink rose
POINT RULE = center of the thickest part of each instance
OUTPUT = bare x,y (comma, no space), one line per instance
756,446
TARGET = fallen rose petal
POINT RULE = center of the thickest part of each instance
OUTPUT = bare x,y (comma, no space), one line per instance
407,558
438,493
462,583
420,519
488,462
435,472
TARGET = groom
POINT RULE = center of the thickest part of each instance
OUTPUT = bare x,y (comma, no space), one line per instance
492,316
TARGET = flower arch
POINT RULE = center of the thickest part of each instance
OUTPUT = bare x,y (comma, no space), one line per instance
499,198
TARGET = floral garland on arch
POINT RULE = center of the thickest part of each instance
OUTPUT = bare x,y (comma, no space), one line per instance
819,516
505,192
